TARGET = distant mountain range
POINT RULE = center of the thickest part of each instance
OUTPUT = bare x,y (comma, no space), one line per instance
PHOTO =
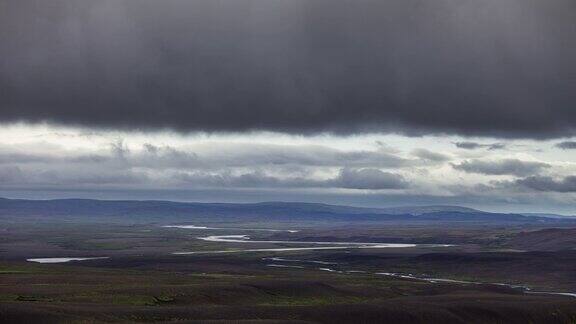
167,211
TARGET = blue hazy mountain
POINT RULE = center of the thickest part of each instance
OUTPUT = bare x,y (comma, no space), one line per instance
161,211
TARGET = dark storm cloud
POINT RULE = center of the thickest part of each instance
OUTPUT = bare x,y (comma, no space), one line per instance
475,146
491,67
502,167
567,145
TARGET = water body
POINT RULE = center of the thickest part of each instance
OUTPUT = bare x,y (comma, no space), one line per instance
62,260
284,266
242,238
246,239
229,228
551,293
296,260
342,247
335,245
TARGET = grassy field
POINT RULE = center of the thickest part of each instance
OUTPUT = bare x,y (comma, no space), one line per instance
81,294
143,282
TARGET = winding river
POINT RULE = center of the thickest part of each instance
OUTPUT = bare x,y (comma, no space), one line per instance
523,289
300,264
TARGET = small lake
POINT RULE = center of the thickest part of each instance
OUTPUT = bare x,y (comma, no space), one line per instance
62,260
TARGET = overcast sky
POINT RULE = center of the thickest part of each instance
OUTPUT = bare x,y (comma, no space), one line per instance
370,102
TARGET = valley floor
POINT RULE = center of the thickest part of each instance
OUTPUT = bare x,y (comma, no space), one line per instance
130,274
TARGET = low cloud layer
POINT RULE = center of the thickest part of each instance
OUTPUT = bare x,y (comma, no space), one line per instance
475,146
488,68
373,179
431,156
365,170
502,167
214,165
549,184
347,178
567,145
